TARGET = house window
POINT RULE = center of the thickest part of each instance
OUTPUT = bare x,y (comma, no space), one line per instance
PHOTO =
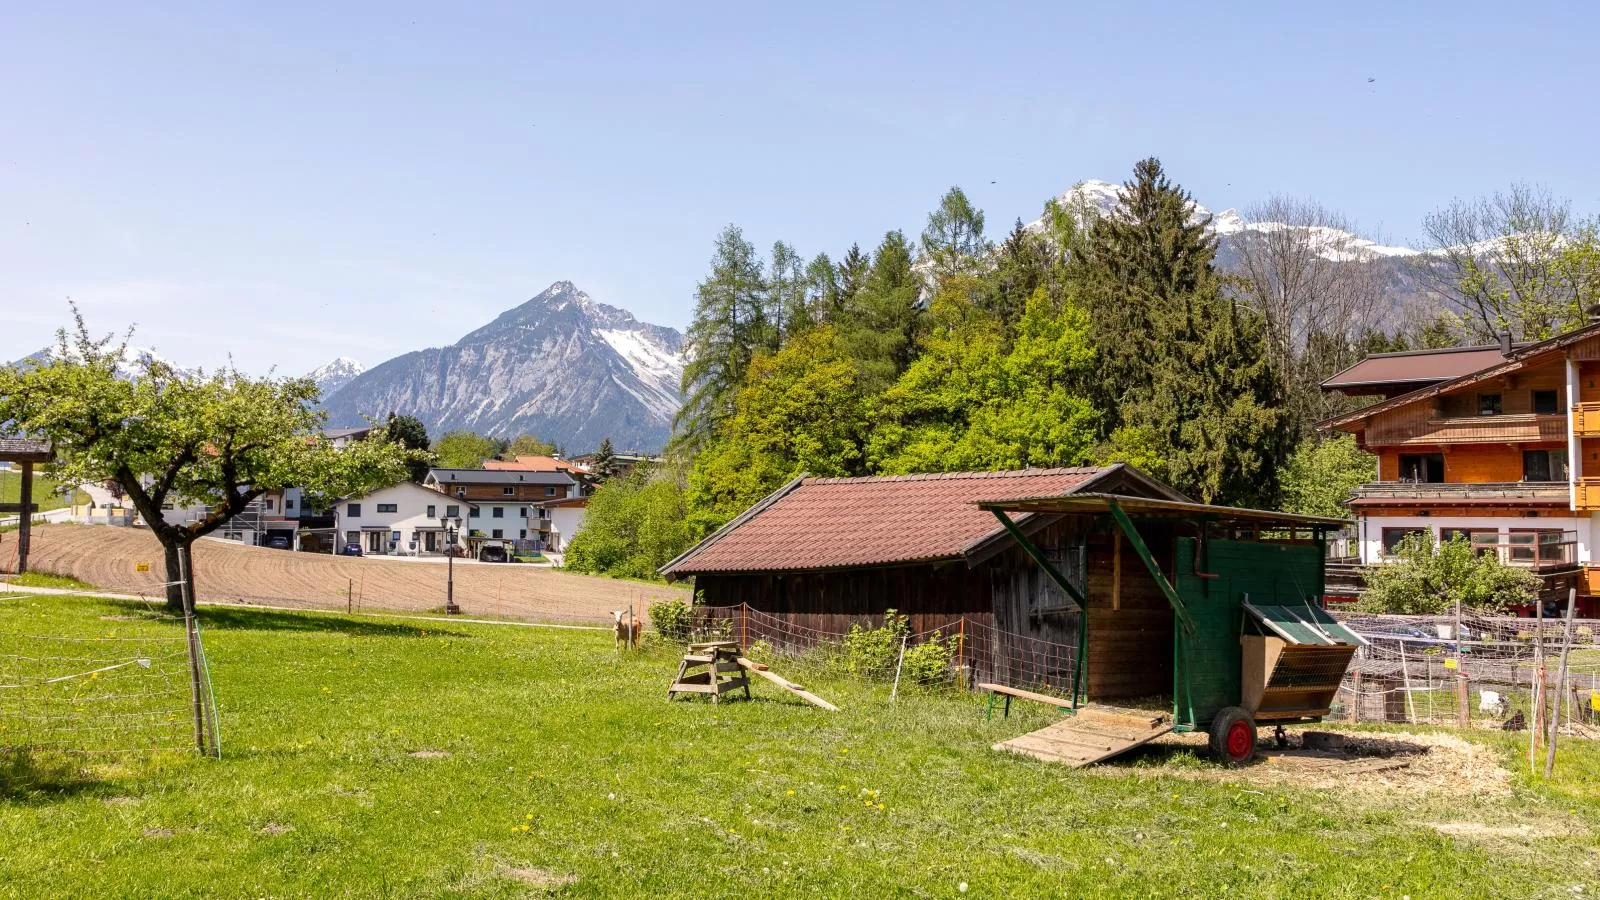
497,533
394,537
549,492
1484,543
509,492
288,504
1544,465
472,512
1537,545
499,512
431,513
522,535
388,507
353,510
1544,402
522,513
352,537
1393,537
1422,468
268,502
1488,404
453,512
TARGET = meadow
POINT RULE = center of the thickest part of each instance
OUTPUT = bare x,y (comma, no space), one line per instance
47,493
367,756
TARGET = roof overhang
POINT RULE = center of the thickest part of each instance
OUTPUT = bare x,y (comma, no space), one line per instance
1145,507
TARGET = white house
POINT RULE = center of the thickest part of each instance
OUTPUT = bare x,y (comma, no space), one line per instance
398,520
566,517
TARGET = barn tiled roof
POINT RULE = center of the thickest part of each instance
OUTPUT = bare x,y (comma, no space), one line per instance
835,523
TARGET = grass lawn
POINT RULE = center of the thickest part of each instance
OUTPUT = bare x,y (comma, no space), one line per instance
46,580
396,757
45,492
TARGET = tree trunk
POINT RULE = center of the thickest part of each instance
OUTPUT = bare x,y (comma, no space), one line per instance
180,574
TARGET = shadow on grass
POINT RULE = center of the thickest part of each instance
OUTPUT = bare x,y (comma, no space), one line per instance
33,778
243,618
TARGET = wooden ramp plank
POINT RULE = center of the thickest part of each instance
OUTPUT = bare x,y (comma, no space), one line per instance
1095,734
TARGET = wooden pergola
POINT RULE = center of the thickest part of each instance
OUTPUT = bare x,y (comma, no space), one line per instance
26,453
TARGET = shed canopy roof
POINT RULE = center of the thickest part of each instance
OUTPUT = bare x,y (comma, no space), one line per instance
814,524
1302,624
1081,502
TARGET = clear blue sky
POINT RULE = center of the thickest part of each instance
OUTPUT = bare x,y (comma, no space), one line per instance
290,182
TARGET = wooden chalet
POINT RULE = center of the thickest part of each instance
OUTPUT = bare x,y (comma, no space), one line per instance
1506,454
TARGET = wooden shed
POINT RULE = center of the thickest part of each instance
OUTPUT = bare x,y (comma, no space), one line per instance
825,553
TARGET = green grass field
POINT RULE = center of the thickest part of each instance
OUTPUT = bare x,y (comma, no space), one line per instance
45,492
372,757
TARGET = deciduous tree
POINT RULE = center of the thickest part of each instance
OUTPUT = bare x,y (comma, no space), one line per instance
172,437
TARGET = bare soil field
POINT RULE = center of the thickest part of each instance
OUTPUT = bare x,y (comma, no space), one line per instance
106,557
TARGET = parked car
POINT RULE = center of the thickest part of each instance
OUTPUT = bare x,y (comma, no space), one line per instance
350,549
493,553
279,542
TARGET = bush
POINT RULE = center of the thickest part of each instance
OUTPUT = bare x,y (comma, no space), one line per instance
1429,580
672,619
929,662
632,527
873,652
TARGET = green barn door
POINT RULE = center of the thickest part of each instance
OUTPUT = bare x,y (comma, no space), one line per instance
1206,665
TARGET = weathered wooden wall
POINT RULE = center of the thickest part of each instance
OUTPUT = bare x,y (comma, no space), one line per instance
1130,622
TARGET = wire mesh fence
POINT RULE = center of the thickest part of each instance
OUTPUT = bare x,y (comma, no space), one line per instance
1414,669
124,687
885,650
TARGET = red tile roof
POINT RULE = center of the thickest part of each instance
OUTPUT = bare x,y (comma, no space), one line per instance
529,464
834,523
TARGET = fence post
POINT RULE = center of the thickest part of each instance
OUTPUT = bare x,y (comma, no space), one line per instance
1355,697
1463,703
1405,675
1561,686
961,651
895,691
744,625
1536,686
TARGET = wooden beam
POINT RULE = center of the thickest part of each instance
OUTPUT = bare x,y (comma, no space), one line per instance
1116,570
25,520
1075,596
1126,524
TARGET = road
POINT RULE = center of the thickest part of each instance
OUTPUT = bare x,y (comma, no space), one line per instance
107,557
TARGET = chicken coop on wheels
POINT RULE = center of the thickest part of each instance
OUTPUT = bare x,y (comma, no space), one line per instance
1231,622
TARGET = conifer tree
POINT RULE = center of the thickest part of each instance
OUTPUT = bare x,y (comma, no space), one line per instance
787,283
822,289
881,329
605,460
730,326
953,241
852,275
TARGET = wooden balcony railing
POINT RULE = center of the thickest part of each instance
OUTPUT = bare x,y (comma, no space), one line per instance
1415,490
1586,419
1588,494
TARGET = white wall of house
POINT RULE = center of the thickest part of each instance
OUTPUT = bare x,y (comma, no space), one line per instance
1370,529
565,522
510,519
398,517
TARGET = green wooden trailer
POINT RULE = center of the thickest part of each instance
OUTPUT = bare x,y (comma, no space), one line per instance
1251,644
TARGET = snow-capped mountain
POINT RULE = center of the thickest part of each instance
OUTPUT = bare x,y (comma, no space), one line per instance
133,359
560,366
334,375
1094,197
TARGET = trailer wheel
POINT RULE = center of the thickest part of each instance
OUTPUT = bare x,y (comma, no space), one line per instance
1233,736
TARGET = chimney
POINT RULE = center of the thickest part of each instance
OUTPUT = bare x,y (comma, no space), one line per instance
1505,343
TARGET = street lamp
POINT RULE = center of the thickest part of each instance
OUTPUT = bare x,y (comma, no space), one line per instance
451,530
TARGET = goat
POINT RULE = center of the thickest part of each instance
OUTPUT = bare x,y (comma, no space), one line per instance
628,627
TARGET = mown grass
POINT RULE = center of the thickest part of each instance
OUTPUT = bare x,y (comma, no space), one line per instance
568,772
46,492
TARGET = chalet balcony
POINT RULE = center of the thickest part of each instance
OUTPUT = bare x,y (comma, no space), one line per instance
1588,494
1543,551
1504,429
1478,492
1586,419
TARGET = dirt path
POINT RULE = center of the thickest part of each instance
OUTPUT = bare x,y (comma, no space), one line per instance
105,556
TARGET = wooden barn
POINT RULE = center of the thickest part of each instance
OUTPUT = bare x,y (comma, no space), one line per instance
825,553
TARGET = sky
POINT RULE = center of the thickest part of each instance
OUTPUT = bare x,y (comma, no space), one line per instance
284,183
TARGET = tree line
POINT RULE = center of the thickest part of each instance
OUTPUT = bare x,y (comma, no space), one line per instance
1092,337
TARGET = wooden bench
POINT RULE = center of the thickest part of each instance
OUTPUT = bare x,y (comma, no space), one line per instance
1009,692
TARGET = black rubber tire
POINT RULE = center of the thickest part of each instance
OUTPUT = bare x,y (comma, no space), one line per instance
1233,737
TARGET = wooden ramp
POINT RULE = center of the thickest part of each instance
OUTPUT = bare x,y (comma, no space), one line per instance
1096,733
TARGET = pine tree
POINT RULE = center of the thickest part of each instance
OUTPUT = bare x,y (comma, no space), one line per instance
953,241
730,326
787,302
1183,369
410,433
881,328
822,290
605,460
852,275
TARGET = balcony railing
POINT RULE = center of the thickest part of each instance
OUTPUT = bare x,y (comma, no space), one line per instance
1587,494
1586,419
1509,428
1540,551
1419,490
